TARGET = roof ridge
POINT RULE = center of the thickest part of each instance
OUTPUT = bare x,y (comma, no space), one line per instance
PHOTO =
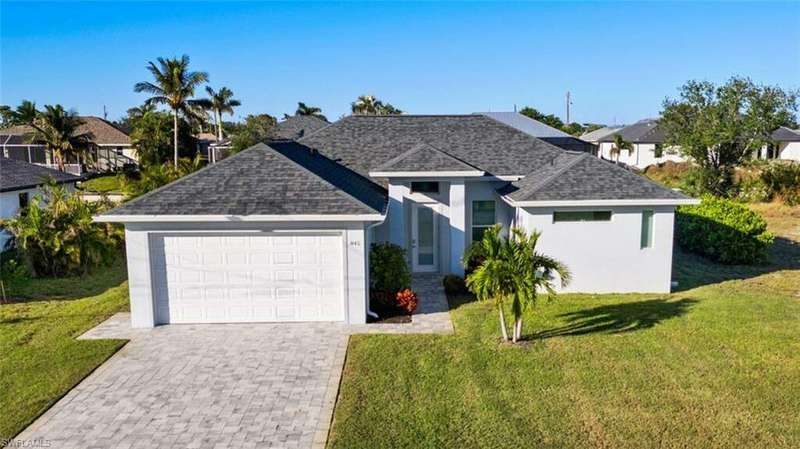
419,147
544,182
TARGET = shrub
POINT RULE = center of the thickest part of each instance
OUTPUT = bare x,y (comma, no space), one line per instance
388,269
12,268
454,285
406,301
782,180
57,237
723,230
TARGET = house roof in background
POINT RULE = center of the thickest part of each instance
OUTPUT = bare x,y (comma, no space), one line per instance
425,158
365,142
583,177
596,135
19,175
103,132
283,179
297,126
526,124
644,131
784,134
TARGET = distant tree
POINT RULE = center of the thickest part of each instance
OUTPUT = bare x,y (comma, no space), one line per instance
6,116
369,105
151,135
618,146
219,103
174,86
255,129
720,127
547,119
303,109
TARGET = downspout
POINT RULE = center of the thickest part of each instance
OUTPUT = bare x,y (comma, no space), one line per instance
369,243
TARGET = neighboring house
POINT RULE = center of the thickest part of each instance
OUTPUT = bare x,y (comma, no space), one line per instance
786,145
594,137
297,126
110,147
648,145
20,182
282,232
542,131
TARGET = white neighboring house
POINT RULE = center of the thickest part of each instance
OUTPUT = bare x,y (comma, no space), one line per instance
282,232
19,183
110,147
648,145
786,145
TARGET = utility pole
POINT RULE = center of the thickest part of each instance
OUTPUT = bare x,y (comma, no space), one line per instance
105,113
568,103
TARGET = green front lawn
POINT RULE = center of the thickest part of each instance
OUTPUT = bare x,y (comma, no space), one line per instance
102,184
40,359
714,365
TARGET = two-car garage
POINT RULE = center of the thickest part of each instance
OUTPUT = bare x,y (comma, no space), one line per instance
248,277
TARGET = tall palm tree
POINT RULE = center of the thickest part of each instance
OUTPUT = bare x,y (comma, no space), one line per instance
174,86
511,270
303,109
220,102
58,129
619,145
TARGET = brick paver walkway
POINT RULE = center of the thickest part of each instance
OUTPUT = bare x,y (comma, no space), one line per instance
218,386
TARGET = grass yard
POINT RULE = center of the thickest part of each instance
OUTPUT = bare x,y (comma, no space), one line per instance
715,365
40,359
102,184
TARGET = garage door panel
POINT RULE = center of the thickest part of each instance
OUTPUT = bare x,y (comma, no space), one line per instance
250,278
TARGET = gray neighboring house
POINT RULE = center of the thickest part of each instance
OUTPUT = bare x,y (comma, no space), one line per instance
542,131
648,140
20,181
282,232
786,145
296,127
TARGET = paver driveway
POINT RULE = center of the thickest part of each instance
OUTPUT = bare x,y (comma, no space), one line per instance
241,385
217,386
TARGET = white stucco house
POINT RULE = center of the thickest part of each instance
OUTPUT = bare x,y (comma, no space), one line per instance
19,183
785,146
282,232
647,139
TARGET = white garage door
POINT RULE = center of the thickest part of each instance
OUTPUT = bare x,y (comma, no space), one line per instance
248,278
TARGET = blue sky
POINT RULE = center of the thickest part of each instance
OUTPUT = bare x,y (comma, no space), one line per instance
619,60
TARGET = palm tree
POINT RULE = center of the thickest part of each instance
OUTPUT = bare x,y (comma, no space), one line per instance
511,270
365,105
58,129
303,109
619,145
220,102
174,86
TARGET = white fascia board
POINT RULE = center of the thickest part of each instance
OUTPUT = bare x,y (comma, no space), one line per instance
601,203
231,218
426,174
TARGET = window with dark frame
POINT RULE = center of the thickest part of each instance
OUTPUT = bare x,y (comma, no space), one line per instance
24,200
483,218
577,216
424,187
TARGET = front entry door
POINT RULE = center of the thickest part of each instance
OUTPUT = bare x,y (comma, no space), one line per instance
424,238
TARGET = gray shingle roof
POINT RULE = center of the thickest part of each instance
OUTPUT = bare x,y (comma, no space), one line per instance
297,126
102,132
644,131
526,124
585,177
596,135
784,134
363,142
19,175
425,158
286,179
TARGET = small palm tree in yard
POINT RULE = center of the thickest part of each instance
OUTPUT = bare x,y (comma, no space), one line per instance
619,145
220,102
511,272
173,85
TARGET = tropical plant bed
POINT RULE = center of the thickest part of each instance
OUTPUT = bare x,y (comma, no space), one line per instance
384,305
40,358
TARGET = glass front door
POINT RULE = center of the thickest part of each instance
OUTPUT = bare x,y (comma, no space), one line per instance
423,239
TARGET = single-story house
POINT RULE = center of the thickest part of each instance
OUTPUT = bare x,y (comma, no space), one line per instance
647,139
543,131
20,182
282,232
110,147
786,145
